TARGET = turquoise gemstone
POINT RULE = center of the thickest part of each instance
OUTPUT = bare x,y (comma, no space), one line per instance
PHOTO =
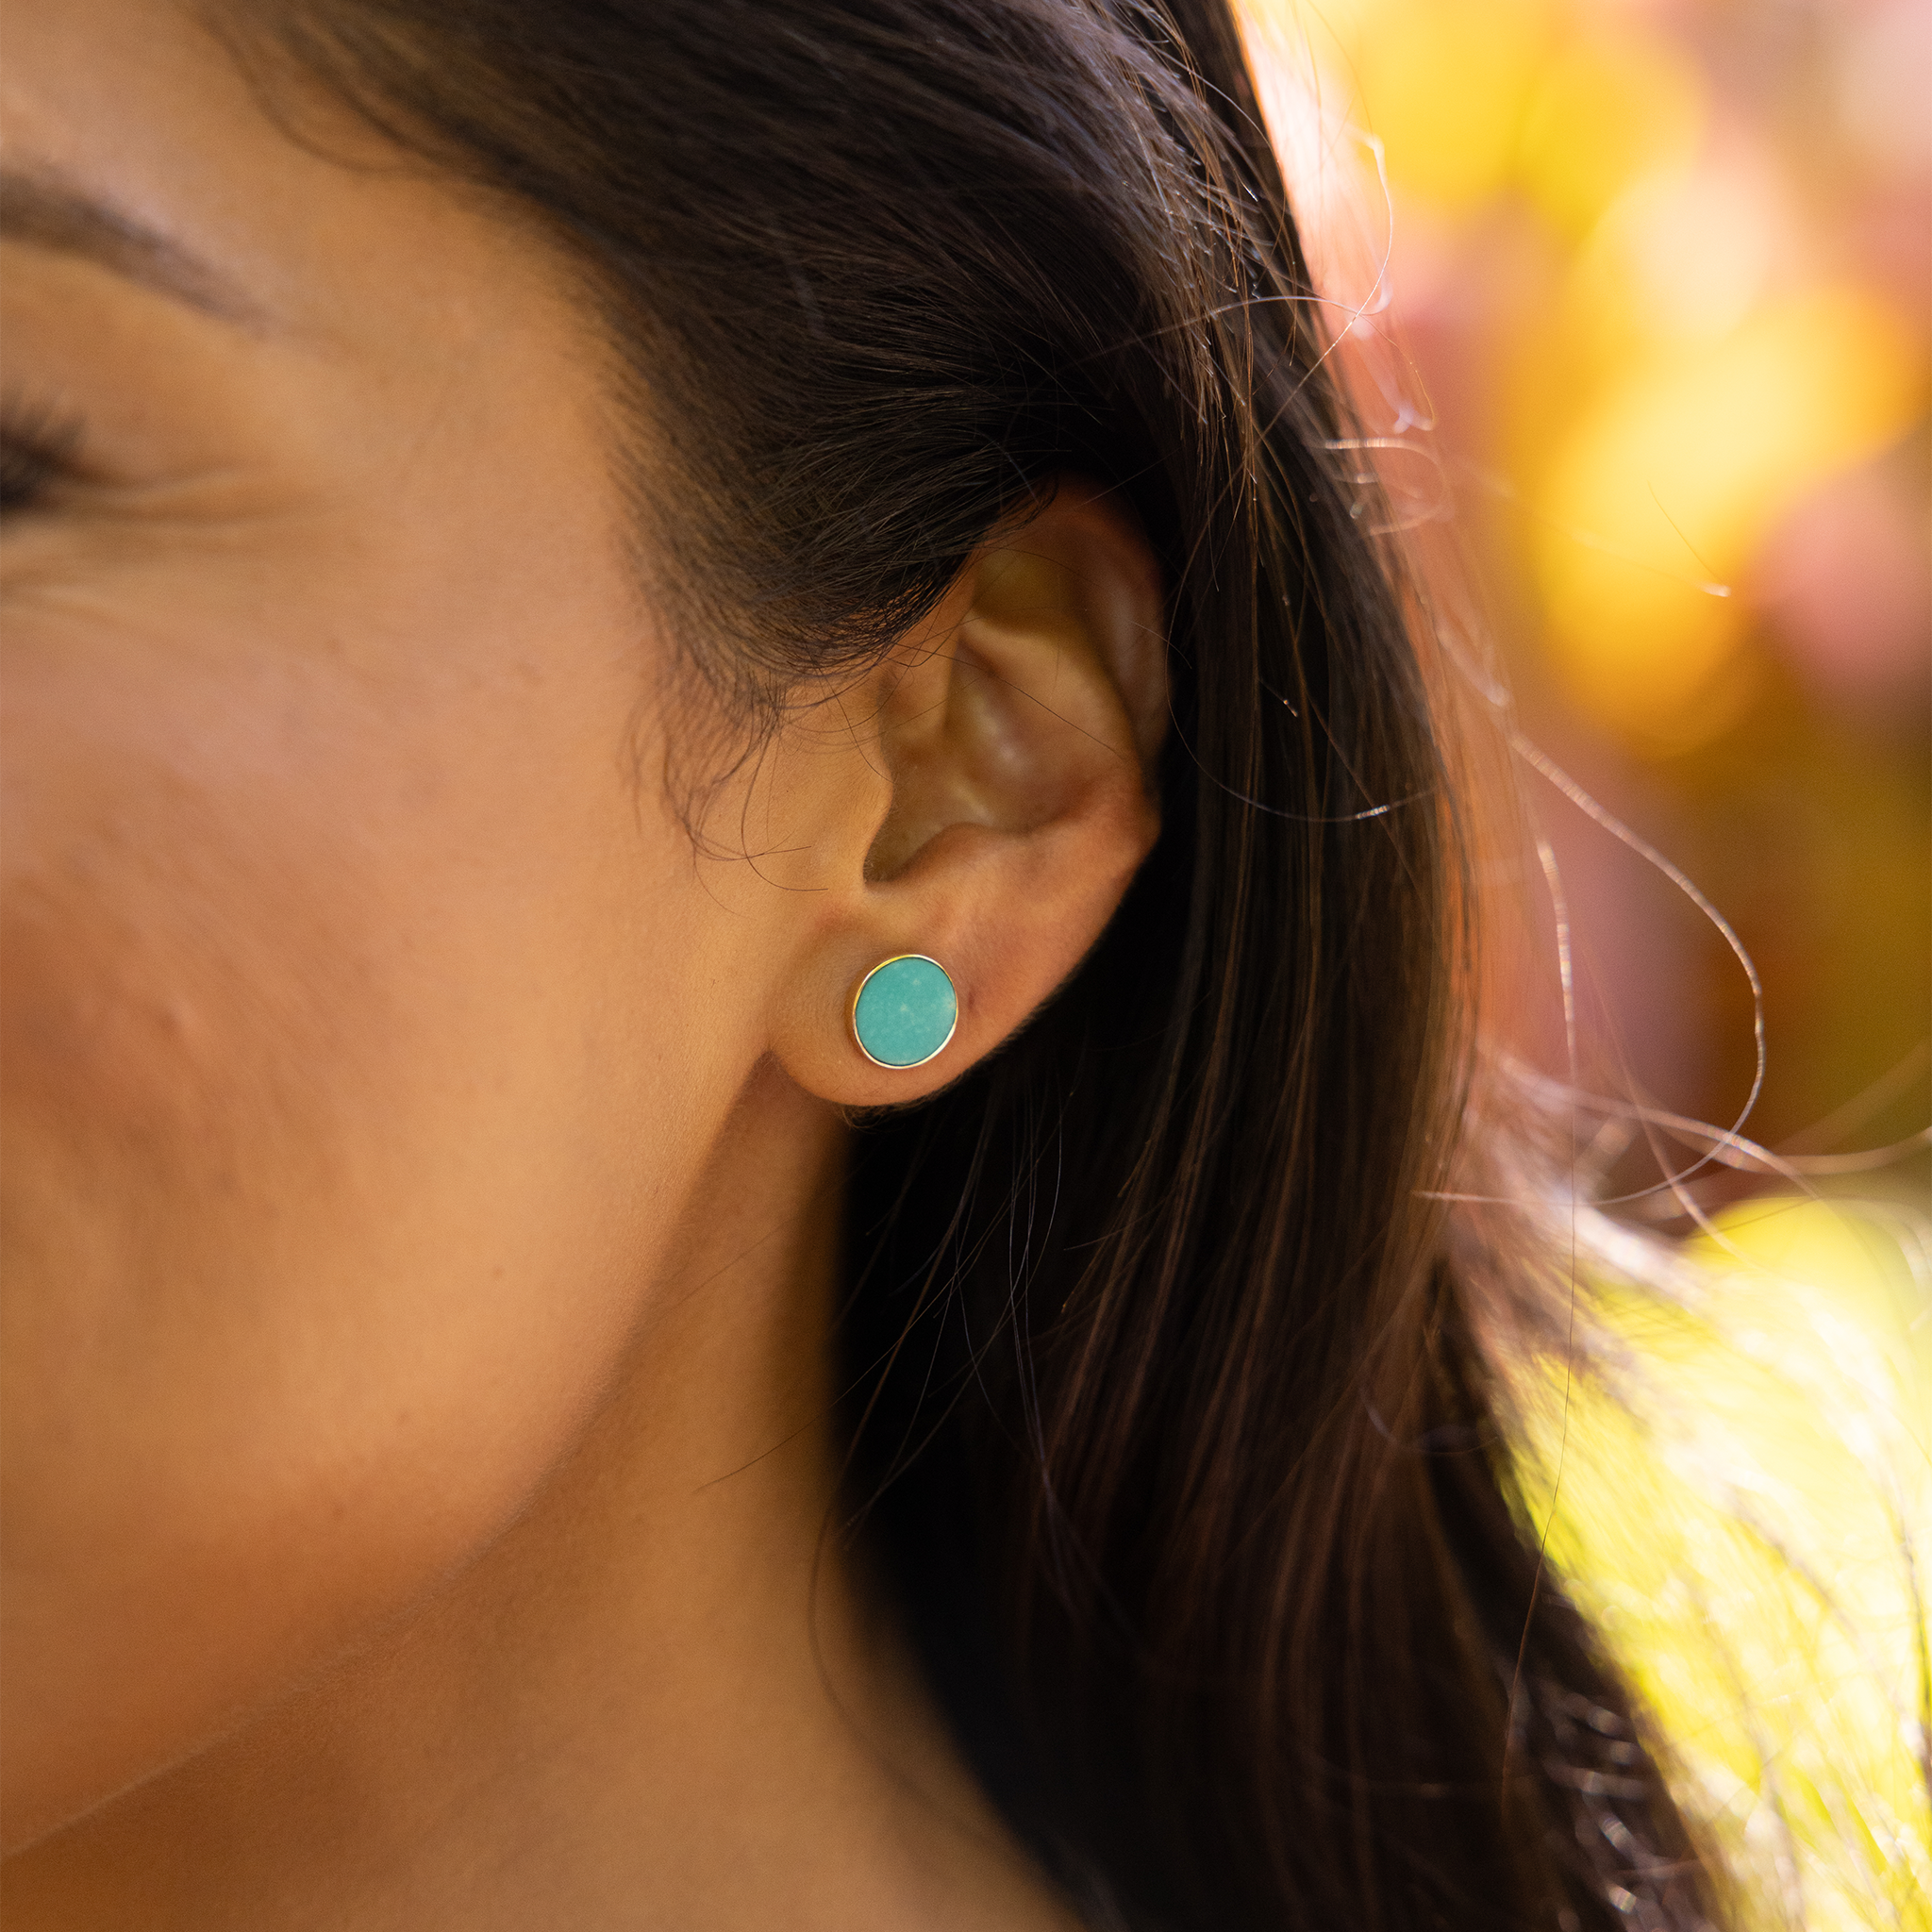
905,1010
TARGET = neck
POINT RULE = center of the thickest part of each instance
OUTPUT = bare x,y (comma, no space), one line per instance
664,1697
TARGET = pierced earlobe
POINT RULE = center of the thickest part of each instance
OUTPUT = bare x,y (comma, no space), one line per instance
904,1011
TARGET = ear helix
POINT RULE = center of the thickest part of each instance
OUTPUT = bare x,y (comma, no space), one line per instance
904,1012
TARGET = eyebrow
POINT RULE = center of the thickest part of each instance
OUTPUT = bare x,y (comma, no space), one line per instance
42,211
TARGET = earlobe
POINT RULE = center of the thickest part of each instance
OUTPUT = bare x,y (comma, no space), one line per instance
1018,731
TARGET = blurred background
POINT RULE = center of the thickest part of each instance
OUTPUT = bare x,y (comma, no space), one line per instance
1639,295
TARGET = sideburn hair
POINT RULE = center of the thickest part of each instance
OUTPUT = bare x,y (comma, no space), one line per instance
1170,1387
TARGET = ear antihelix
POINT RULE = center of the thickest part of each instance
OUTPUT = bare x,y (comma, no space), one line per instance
904,1011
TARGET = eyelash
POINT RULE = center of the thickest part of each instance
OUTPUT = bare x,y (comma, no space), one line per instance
37,446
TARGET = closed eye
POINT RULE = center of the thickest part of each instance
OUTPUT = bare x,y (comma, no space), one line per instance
37,447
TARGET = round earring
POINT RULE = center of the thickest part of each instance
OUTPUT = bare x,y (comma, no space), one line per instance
904,1011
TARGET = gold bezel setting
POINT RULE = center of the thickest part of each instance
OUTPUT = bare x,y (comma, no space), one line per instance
858,993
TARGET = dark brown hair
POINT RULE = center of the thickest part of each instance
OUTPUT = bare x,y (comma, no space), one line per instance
1171,1410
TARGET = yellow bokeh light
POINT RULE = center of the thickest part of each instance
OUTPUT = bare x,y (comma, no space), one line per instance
1605,109
1445,85
1675,474
1682,255
1742,1522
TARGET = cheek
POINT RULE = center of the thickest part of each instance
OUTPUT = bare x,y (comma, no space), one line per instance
336,1136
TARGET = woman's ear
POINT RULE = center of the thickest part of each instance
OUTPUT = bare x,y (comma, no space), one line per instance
1016,734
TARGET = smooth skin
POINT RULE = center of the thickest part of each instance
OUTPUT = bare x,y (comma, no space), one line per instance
421,1158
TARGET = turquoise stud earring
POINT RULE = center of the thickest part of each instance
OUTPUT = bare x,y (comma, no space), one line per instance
904,1011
